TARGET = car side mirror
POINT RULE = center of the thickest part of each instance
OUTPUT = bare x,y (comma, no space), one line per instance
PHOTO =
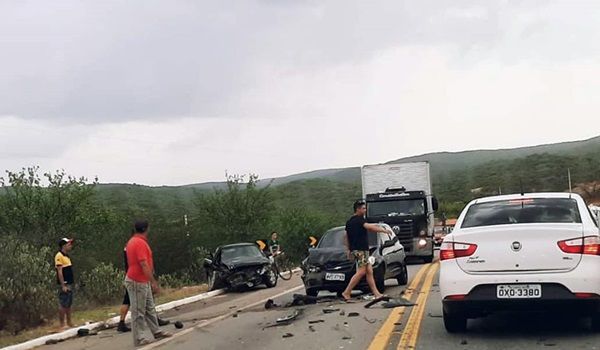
435,204
208,263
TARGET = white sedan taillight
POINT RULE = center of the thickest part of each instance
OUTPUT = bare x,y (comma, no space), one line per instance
587,245
453,250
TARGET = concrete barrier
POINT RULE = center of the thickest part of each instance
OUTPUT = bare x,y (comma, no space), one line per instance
70,333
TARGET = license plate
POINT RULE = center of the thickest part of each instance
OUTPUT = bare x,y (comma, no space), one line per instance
335,276
519,291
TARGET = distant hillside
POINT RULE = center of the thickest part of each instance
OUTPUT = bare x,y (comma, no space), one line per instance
441,162
457,177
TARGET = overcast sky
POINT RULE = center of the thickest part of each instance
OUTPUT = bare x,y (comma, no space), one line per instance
176,92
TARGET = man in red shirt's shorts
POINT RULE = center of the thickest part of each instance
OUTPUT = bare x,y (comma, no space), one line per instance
140,284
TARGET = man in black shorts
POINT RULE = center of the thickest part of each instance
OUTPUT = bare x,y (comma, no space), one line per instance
357,245
122,327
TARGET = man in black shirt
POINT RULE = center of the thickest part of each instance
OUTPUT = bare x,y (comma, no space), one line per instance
357,245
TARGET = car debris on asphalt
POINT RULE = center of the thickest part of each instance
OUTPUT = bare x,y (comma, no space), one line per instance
316,321
290,317
329,311
287,335
371,321
84,332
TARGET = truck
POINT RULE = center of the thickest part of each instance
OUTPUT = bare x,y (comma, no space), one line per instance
400,195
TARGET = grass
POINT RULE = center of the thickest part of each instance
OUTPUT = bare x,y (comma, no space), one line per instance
95,314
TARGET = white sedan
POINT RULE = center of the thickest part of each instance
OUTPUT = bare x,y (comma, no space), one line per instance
535,251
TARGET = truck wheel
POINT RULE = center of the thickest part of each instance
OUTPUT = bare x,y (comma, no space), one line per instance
455,322
402,278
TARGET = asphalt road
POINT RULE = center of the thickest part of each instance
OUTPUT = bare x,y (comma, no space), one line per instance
240,321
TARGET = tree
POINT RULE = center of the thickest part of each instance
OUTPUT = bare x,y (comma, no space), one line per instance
240,213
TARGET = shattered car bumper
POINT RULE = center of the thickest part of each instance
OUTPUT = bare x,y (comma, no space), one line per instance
330,279
246,277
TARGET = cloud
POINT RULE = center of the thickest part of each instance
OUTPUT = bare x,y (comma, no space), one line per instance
94,62
179,92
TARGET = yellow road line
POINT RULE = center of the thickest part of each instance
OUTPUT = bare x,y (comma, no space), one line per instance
413,325
382,338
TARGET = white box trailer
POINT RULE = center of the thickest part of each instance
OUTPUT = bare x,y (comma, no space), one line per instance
400,195
412,176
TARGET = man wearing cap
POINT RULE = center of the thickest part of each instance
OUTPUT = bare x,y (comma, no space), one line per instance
140,284
65,280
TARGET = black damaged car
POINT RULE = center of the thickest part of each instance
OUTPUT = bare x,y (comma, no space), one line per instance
327,266
239,266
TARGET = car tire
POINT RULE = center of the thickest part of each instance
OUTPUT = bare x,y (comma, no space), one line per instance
311,292
428,259
596,322
402,278
270,279
454,322
214,282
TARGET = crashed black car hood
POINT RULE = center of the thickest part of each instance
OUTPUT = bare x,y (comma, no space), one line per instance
246,261
320,256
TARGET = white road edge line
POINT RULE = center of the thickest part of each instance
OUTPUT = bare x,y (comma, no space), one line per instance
70,333
218,318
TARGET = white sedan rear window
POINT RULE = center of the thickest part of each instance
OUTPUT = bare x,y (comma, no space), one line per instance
523,211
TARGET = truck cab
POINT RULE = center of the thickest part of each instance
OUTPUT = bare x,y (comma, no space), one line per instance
409,214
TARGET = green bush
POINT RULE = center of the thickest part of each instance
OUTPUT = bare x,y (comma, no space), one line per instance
27,285
295,226
103,284
175,280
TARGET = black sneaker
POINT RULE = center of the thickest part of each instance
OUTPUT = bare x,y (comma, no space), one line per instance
122,327
162,322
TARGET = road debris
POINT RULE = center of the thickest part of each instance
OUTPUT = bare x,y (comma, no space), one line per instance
397,303
398,324
342,313
287,335
346,338
353,314
376,300
329,311
287,319
371,321
434,316
311,328
464,342
178,324
316,321
84,332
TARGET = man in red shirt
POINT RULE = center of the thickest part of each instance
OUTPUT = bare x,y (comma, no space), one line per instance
140,284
